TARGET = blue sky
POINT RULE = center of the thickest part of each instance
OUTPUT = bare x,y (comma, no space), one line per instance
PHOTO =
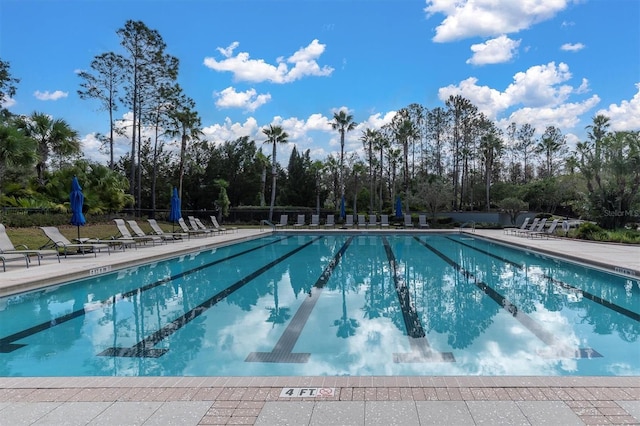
248,64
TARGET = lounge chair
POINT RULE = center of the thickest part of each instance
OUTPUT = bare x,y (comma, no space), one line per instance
530,227
60,242
537,228
190,231
284,221
373,221
330,221
315,221
7,247
408,223
300,222
197,225
140,233
201,225
7,257
362,222
168,235
550,231
221,229
348,223
127,238
513,230
422,221
384,220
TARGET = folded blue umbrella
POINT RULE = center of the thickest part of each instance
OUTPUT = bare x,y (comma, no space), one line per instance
76,197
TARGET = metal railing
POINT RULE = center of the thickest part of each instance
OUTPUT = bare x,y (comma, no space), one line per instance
266,222
471,223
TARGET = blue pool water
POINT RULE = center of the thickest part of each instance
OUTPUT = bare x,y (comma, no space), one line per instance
437,304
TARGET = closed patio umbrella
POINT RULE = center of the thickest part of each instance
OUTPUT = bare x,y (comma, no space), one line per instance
399,208
175,213
76,198
343,211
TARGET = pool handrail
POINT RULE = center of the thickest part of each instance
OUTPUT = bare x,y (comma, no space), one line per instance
471,222
268,223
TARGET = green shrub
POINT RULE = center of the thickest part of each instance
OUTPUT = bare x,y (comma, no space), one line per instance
590,231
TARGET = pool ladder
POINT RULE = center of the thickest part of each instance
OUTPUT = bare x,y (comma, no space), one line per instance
264,222
470,223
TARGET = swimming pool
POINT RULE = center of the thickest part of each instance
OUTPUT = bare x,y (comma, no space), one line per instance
339,304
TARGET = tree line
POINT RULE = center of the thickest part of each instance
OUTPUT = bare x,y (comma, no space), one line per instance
447,158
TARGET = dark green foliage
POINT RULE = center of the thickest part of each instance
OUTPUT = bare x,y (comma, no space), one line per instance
589,231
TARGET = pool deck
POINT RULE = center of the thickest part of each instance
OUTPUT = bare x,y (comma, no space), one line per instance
421,400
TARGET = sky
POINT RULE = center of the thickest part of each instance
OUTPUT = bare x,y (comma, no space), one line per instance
294,63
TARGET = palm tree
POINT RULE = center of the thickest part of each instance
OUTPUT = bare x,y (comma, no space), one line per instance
16,150
342,122
368,138
275,135
185,122
263,161
405,131
52,137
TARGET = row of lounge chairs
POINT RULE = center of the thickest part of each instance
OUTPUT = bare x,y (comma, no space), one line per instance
534,229
130,235
363,221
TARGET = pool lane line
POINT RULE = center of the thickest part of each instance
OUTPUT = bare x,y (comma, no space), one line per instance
420,349
282,351
7,343
529,323
145,348
495,256
597,299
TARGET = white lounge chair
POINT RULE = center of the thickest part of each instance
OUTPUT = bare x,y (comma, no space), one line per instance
199,226
190,231
531,227
348,223
513,230
15,256
537,228
59,241
422,221
550,231
300,222
315,221
284,221
373,221
408,223
384,221
125,234
140,233
7,247
159,231
362,221
222,229
330,221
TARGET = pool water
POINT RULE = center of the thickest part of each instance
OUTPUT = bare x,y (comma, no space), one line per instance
339,304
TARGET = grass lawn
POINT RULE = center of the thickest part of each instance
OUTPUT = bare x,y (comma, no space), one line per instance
34,238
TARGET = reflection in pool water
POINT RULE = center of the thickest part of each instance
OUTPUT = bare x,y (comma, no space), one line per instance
364,304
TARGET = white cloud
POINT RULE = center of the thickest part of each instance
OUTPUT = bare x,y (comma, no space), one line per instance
303,63
485,18
625,116
50,96
572,47
537,96
494,51
249,100
8,103
565,116
230,131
